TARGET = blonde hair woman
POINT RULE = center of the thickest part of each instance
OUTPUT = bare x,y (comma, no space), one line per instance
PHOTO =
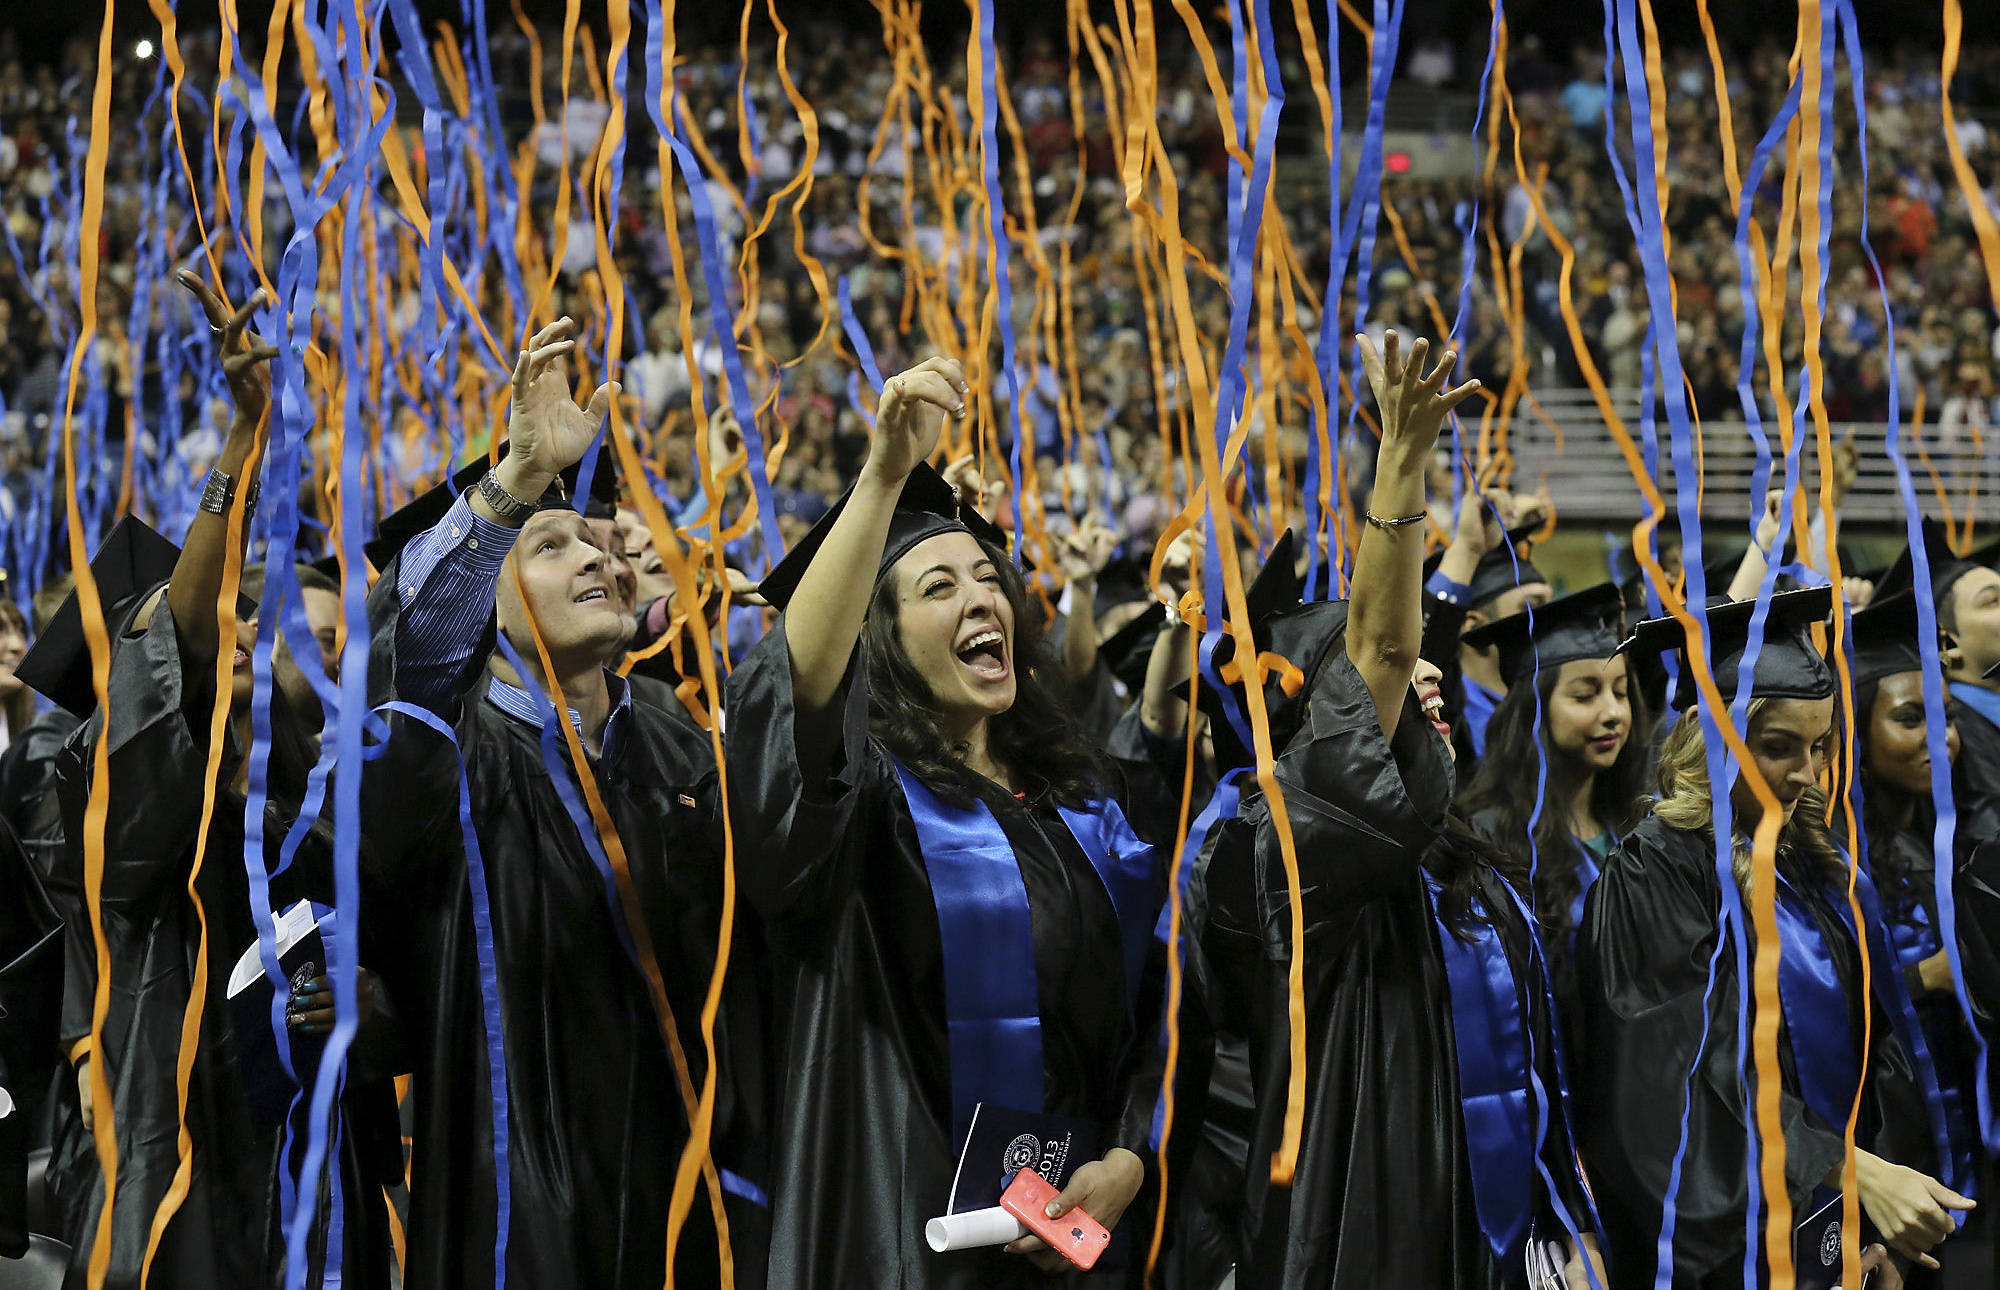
1659,1059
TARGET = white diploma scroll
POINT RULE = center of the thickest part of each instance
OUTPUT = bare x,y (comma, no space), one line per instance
973,1229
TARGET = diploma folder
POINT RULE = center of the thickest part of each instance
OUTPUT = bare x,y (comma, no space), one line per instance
1816,1242
301,943
1003,1141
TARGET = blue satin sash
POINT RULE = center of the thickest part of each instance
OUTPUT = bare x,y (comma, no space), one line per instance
1489,1035
1589,867
1913,939
1125,865
1829,1069
993,1011
1814,1003
1479,705
1949,1132
992,998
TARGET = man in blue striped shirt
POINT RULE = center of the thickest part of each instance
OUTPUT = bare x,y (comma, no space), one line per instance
555,928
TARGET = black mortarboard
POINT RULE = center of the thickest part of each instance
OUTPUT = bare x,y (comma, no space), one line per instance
1122,582
1499,570
403,525
1589,624
132,560
1499,573
1129,650
926,507
1300,633
1886,639
1946,566
1788,666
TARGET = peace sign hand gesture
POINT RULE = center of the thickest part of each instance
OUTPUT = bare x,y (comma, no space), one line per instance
243,353
1412,405
910,418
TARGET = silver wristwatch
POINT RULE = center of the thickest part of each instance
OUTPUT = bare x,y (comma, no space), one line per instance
221,488
510,509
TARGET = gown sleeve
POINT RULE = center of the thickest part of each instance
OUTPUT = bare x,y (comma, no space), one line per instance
1643,966
157,759
797,783
1363,810
1977,893
1153,768
410,785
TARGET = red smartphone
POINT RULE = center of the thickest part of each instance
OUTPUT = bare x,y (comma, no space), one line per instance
1076,1235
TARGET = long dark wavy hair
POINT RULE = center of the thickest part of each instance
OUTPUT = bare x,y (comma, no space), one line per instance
1454,860
1504,793
1038,739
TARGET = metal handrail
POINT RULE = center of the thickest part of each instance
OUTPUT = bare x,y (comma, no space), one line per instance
1588,475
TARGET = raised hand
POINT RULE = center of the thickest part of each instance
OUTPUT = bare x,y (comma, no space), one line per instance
1084,552
910,418
1411,405
1846,468
243,353
547,432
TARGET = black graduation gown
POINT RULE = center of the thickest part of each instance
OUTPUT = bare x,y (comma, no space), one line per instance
1975,774
1904,868
596,1121
862,1150
226,1232
1212,1099
1642,964
1976,893
1383,1193
31,979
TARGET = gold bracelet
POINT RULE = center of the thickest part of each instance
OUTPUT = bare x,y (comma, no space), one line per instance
1390,526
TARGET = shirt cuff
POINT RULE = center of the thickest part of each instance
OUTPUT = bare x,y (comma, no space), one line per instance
1456,594
475,543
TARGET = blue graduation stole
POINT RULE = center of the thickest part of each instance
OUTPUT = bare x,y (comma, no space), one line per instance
992,1000
1480,703
1814,1004
1489,1035
1822,1040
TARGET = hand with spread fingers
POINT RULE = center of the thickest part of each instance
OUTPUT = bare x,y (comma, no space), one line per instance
1412,405
243,352
1083,553
547,430
910,418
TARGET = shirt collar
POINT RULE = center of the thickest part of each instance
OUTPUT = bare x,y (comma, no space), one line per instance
520,705
1980,699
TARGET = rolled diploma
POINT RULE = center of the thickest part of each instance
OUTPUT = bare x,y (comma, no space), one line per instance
973,1229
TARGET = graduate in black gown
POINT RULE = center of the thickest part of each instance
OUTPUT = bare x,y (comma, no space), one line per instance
1660,1042
1966,591
1435,1150
1892,753
224,1228
1565,767
1482,577
959,914
524,957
